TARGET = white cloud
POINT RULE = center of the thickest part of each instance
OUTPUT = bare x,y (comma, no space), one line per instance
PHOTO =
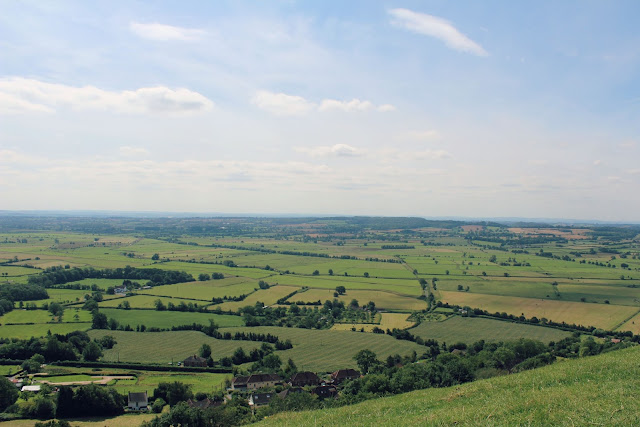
133,151
347,106
20,95
337,150
162,32
428,154
436,27
282,104
385,108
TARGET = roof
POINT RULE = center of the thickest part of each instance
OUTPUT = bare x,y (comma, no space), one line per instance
260,378
345,373
305,377
195,358
30,388
240,381
138,397
203,404
261,398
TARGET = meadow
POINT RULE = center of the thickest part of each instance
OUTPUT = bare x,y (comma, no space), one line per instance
471,329
167,319
382,299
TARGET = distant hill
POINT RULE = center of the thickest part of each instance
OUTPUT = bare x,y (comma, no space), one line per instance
599,390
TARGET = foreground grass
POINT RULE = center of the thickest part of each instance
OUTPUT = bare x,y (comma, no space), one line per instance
598,390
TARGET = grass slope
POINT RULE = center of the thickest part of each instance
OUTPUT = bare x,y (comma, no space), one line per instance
598,390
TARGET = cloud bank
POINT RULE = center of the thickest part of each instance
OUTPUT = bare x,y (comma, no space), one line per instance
282,104
21,95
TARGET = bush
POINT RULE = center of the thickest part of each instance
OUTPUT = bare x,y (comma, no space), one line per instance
158,404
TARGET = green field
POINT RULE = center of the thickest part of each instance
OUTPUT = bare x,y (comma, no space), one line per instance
232,286
590,391
165,347
265,296
383,300
167,319
329,350
472,329
41,316
40,330
147,301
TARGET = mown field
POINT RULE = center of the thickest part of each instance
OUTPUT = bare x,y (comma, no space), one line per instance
383,300
165,347
329,350
588,391
40,329
471,329
387,321
167,319
604,316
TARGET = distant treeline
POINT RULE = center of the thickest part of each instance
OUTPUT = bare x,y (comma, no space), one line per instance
21,292
57,275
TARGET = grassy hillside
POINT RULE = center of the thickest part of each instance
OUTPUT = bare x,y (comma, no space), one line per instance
599,390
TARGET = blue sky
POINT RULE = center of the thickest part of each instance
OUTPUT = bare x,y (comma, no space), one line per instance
429,108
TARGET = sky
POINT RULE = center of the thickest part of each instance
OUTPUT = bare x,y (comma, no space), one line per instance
396,108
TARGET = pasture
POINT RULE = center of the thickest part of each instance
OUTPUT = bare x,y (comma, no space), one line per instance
388,321
265,296
206,290
329,350
383,300
471,329
605,316
40,329
165,347
167,319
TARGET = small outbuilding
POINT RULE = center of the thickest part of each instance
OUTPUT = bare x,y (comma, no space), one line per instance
195,361
138,401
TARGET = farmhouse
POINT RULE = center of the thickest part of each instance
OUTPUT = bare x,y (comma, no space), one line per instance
293,390
138,401
325,391
260,399
255,381
344,374
302,379
203,404
195,361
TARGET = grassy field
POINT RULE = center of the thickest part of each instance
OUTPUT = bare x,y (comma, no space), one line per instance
165,347
265,296
40,330
589,391
7,370
401,286
387,321
167,319
632,325
120,421
232,286
384,300
327,350
472,329
43,316
147,301
604,316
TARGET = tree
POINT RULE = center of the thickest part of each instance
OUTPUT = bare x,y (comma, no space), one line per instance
341,290
173,392
32,365
205,350
155,257
316,272
365,359
493,258
159,305
8,393
158,404
99,320
366,274
330,272
272,362
203,277
92,352
56,309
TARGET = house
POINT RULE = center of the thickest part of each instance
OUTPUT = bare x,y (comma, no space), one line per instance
138,401
302,379
255,381
260,399
325,391
615,340
195,361
203,404
344,374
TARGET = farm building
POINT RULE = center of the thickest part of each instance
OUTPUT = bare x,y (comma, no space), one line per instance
195,361
260,399
325,391
302,379
344,374
138,401
255,381
203,404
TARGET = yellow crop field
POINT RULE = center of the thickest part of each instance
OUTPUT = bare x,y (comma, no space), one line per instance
389,321
265,296
606,316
